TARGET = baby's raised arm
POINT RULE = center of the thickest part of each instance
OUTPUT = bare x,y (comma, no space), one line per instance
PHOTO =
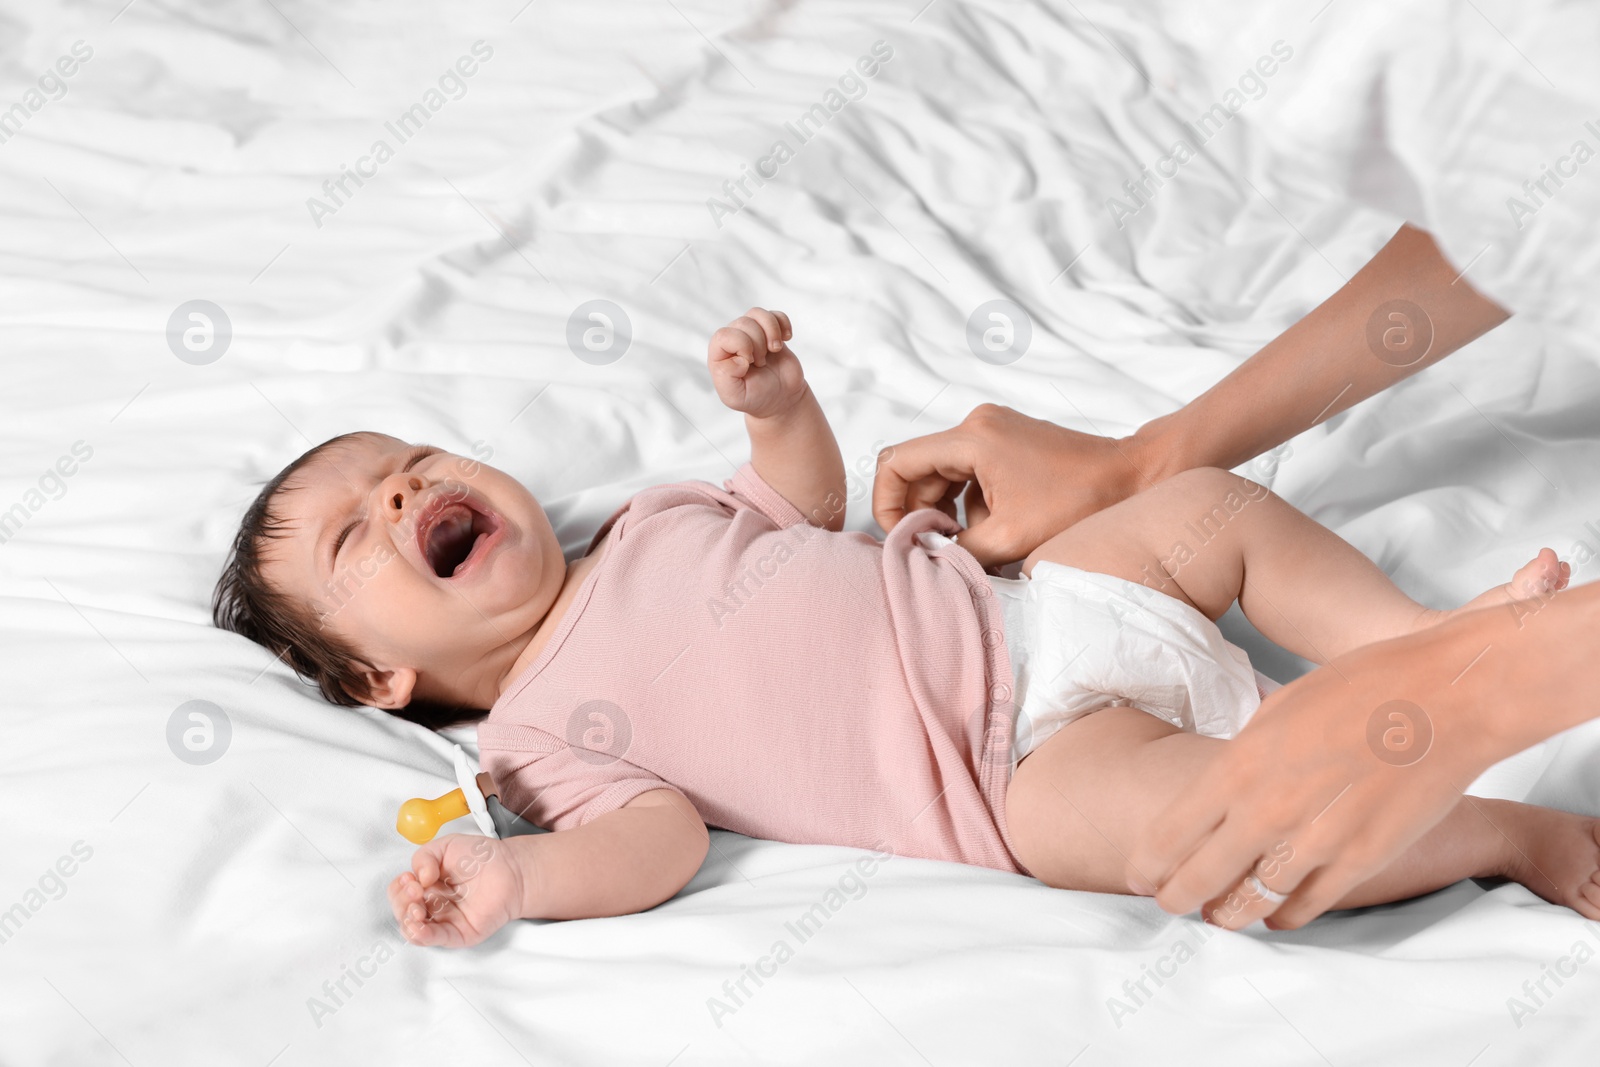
791,444
462,888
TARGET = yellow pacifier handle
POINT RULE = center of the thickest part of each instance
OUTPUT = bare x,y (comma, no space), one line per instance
421,818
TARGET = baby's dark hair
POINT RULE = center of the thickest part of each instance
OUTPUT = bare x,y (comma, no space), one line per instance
246,604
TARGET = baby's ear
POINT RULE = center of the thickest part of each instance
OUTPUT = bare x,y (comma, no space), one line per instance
390,689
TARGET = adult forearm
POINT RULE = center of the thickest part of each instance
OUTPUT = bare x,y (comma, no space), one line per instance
1539,672
1405,310
1484,684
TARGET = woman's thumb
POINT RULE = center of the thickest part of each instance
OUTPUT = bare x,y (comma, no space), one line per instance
983,539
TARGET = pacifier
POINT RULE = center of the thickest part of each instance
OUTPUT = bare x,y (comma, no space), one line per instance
420,818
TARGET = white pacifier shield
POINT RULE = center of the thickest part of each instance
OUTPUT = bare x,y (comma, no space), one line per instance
477,806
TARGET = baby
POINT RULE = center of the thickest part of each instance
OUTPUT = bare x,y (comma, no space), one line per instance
730,657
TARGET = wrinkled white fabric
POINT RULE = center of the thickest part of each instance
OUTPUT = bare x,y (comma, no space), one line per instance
1479,122
434,304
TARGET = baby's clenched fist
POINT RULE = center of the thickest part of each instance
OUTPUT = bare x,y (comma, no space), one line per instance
752,368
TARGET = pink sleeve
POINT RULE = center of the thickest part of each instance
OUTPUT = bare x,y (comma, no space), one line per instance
752,490
555,785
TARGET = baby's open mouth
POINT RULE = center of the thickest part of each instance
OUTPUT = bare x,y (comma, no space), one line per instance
454,535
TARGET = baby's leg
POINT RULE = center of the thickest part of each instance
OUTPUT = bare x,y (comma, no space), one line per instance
1077,804
1208,537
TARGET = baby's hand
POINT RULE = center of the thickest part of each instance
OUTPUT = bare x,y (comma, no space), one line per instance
752,368
460,889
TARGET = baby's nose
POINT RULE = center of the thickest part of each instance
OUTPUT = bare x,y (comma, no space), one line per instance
398,490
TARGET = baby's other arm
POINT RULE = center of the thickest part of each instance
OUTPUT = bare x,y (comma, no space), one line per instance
791,444
626,861
462,888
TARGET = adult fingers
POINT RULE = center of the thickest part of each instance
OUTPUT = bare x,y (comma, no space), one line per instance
1240,906
1369,830
1336,858
977,506
1177,831
1220,862
931,492
990,543
1321,890
943,454
1258,893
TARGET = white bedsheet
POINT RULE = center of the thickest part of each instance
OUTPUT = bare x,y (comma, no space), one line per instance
209,905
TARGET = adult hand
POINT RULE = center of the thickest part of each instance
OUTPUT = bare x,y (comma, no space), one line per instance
1025,480
1337,773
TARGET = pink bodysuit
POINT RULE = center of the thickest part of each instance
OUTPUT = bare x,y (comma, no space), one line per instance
795,684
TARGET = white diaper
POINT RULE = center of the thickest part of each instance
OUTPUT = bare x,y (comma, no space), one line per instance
1080,641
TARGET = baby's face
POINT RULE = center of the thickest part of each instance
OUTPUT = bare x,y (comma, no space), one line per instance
422,559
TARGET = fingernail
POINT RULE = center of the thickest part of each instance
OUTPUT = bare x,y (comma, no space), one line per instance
1140,887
